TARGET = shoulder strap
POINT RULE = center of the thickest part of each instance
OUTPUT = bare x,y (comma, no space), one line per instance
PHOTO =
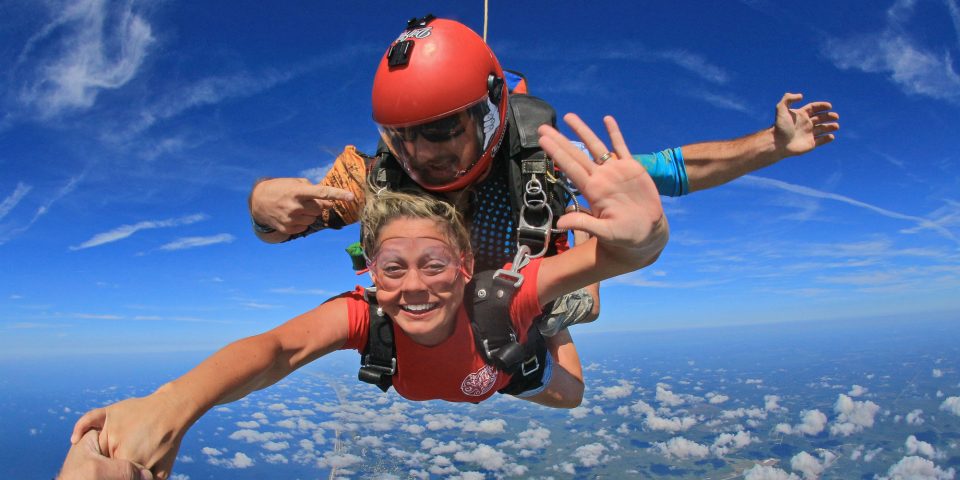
487,299
378,362
537,194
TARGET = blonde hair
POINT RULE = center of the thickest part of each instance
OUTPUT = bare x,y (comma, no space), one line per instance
385,206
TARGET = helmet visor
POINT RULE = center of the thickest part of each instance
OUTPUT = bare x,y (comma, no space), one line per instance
438,152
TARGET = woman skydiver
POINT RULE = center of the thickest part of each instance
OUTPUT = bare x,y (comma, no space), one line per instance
420,261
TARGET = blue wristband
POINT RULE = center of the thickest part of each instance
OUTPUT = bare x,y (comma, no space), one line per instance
668,171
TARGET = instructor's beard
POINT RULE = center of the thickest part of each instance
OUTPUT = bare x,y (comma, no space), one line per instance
439,170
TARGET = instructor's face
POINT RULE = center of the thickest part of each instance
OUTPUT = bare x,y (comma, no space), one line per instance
442,151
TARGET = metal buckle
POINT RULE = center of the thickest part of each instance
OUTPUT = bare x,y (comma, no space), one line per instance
380,368
544,229
536,366
486,345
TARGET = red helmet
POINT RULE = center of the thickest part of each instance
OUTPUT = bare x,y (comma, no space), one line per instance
441,103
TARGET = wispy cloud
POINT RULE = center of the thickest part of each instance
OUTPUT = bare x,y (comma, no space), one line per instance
125,231
955,17
921,223
696,64
692,62
213,90
193,242
893,51
727,102
42,210
14,198
316,174
89,47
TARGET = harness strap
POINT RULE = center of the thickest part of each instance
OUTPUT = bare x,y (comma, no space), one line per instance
490,294
378,362
538,196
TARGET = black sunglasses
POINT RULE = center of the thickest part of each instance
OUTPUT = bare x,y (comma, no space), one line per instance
442,130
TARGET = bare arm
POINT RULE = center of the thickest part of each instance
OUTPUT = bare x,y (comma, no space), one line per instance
149,430
795,132
628,225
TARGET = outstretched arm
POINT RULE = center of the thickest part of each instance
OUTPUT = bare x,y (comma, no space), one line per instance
149,430
795,132
628,225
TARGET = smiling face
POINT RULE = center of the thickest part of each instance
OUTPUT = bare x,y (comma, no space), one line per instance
420,278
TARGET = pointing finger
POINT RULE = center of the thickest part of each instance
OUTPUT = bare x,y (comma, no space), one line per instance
323,192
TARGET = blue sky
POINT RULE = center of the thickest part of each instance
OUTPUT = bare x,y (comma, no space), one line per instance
130,134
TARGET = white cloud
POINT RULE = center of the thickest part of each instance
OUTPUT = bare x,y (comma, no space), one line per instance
696,64
729,442
622,390
484,426
915,417
812,422
915,446
921,223
440,421
253,436
125,231
14,198
275,446
952,405
753,413
716,398
764,472
670,399
853,416
637,408
857,391
213,452
316,174
485,456
42,210
673,424
532,439
439,448
916,468
771,403
193,242
590,455
86,49
726,102
937,373
809,466
916,69
239,460
679,447
338,460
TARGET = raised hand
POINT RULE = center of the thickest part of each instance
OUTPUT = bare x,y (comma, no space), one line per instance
627,216
290,205
800,130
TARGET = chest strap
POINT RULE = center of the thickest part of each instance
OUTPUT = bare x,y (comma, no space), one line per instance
488,297
378,362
